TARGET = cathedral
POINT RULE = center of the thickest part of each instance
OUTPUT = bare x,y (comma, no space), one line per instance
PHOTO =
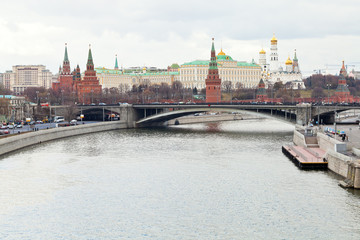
273,72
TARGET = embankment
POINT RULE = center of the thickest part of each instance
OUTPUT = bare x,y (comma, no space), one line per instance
212,118
17,142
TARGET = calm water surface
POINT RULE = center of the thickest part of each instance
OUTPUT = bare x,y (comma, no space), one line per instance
215,181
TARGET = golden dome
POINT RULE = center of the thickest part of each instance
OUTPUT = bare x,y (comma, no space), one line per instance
274,40
262,51
288,61
221,53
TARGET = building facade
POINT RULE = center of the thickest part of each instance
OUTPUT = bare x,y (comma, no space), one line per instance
125,79
24,76
274,72
239,74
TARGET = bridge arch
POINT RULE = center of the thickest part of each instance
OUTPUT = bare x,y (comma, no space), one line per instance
161,118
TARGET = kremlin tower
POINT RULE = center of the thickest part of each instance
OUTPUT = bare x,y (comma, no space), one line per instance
116,63
343,70
213,81
65,76
342,91
261,95
89,87
295,64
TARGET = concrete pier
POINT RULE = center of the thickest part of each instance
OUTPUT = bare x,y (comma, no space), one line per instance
336,153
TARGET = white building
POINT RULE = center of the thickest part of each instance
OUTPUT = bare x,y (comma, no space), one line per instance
274,72
24,76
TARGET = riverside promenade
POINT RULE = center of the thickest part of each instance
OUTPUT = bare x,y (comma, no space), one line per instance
312,144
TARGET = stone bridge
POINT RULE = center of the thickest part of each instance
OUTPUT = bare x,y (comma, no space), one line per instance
143,115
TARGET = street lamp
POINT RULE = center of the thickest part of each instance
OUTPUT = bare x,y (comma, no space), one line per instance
328,87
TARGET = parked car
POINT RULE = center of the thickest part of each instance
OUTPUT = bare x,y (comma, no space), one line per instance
19,126
73,122
10,126
3,127
39,122
102,104
59,120
3,132
32,123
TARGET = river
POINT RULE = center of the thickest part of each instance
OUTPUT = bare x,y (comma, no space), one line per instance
225,180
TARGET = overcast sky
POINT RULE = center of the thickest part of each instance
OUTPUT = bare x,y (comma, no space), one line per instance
161,32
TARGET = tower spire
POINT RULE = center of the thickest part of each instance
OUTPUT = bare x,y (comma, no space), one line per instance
116,63
66,58
90,59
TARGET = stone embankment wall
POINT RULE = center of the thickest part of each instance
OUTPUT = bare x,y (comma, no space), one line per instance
17,142
299,138
212,118
338,163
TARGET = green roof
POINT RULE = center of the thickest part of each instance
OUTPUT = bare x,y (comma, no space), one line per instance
224,58
198,62
246,64
206,62
175,65
100,70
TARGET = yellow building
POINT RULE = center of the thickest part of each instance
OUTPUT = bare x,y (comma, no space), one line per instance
124,80
239,74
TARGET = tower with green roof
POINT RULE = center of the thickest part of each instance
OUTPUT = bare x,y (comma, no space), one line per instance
213,81
116,63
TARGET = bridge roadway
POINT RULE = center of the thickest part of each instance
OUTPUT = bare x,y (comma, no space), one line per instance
301,113
144,114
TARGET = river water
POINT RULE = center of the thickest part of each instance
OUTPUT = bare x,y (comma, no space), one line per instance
203,181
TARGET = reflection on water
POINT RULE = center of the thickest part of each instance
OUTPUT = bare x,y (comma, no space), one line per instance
220,181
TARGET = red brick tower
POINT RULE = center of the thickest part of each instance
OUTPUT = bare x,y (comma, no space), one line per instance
342,91
261,95
76,78
213,81
65,76
89,87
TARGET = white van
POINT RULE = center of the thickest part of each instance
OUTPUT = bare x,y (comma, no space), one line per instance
58,119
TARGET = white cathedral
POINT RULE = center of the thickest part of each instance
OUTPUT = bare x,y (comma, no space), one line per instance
291,77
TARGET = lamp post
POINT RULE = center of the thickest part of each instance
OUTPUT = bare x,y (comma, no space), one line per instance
328,87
